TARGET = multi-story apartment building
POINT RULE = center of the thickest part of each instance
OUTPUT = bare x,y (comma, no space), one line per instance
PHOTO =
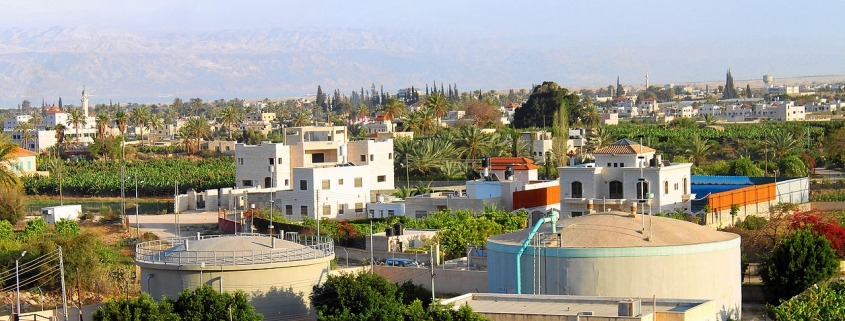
318,172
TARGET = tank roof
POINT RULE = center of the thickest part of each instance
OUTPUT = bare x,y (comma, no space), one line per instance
620,230
232,250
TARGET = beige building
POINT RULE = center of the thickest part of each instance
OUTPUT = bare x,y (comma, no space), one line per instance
22,162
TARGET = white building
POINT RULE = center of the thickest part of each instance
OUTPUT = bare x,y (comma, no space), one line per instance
785,111
317,172
610,119
615,182
710,109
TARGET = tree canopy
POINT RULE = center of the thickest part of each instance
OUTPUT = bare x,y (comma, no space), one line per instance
202,303
543,103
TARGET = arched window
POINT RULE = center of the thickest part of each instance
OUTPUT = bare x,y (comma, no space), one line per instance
642,190
685,186
577,191
615,190
666,187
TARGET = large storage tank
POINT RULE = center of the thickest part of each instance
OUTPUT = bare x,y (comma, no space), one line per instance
610,255
277,274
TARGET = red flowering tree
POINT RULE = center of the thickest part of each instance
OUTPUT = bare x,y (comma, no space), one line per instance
823,225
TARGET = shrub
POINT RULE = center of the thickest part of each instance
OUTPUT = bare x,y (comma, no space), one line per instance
7,231
67,228
802,259
34,228
752,223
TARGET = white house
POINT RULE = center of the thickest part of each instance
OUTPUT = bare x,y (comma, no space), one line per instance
627,176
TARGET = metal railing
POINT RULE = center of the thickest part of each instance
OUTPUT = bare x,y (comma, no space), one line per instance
173,251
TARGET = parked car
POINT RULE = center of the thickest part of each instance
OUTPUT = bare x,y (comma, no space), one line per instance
401,262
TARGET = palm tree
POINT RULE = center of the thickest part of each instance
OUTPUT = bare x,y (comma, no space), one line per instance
121,119
472,142
102,122
782,143
8,179
195,104
437,104
393,109
709,119
25,128
77,118
155,123
140,116
599,137
194,131
60,137
229,116
301,118
56,167
699,149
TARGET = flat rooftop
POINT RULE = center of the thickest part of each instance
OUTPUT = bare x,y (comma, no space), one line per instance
563,305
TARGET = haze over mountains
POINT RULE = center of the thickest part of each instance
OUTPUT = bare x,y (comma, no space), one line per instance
150,66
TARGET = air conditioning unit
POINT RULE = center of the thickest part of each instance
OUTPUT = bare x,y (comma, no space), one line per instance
630,308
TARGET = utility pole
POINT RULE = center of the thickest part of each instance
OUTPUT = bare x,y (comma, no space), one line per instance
176,207
62,275
78,295
432,274
372,257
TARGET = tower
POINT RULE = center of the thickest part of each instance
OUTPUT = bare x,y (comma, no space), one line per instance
84,101
646,80
730,90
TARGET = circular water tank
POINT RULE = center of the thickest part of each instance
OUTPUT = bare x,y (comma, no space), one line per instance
768,79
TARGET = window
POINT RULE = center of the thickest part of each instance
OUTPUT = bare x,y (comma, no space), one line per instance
676,186
441,208
391,213
381,178
268,182
642,190
359,182
303,210
666,187
279,161
288,209
372,157
318,158
359,207
303,185
608,164
339,181
389,155
685,186
240,161
576,214
286,182
615,190
270,160
577,191
615,164
363,158
247,182
327,184
341,208
327,209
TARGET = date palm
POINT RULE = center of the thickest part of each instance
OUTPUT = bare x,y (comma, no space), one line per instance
229,117
194,131
155,123
140,117
102,122
699,149
8,179
393,109
782,143
301,118
60,137
437,105
121,119
77,118
25,129
472,142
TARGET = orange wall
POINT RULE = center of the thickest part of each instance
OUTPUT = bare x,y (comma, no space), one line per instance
743,196
536,197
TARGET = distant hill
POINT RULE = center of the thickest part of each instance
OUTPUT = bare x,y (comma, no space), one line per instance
124,66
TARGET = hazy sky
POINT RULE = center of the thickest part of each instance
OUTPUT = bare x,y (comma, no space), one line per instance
691,40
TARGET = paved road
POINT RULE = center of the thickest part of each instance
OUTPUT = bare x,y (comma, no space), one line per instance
165,225
830,173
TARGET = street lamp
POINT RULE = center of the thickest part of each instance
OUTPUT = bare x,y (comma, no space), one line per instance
18,283
407,173
270,228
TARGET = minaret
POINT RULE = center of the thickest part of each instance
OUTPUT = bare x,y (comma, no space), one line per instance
646,80
84,101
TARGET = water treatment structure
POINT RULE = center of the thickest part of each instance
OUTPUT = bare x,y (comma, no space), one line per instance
277,274
617,254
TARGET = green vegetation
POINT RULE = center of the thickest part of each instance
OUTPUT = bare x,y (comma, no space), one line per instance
102,178
804,258
828,196
198,304
823,302
367,296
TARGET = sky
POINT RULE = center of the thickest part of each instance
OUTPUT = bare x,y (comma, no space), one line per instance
675,41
